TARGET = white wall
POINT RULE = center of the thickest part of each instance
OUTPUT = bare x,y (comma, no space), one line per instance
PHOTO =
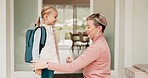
132,25
140,31
25,15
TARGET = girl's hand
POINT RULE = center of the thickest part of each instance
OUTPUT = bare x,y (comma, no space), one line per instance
38,71
39,64
69,59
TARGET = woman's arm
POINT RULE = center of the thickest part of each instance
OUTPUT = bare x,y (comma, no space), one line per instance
87,57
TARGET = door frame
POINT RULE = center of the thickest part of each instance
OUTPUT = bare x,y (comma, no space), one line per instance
123,15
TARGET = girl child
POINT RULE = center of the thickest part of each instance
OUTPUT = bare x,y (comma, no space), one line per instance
50,50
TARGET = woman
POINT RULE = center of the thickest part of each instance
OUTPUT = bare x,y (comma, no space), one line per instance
95,60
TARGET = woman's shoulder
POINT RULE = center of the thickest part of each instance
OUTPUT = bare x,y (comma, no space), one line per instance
97,45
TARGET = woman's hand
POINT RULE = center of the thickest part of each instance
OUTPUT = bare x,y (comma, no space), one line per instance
39,64
69,59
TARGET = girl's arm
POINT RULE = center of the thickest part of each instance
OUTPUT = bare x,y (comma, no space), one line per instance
36,43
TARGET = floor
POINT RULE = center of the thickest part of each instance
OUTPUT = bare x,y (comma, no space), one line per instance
68,76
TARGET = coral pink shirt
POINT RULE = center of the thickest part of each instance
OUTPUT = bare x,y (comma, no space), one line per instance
95,61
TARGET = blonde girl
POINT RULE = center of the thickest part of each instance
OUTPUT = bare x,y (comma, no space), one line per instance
49,51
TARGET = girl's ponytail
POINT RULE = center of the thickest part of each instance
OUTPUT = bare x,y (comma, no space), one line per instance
38,22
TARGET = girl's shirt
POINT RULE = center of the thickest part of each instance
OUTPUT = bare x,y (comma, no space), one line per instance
95,61
49,51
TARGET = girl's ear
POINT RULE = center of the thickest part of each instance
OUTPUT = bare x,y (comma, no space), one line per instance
46,16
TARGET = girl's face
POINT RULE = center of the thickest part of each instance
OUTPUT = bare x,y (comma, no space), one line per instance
91,30
52,18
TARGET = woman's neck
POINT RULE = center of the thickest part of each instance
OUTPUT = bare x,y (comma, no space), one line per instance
97,36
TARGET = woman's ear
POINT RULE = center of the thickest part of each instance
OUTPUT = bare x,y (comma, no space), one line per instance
100,28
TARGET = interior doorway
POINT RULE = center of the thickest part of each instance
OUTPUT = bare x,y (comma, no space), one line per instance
18,64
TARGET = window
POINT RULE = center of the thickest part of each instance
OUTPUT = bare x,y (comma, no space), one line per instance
71,18
82,13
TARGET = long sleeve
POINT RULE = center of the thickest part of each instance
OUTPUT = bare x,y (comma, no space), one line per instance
35,49
88,56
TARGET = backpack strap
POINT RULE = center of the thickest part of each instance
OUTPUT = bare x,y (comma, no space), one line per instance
43,37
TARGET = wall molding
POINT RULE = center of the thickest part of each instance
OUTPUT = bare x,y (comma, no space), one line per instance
3,48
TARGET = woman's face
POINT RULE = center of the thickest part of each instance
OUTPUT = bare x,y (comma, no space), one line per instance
52,18
91,30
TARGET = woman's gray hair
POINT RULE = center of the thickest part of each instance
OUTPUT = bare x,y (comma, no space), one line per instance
99,20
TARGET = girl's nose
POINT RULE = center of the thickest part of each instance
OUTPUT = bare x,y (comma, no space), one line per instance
86,29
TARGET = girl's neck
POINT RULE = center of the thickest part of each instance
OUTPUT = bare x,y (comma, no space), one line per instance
46,23
43,24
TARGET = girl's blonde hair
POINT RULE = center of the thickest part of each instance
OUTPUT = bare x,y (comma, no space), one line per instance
45,10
